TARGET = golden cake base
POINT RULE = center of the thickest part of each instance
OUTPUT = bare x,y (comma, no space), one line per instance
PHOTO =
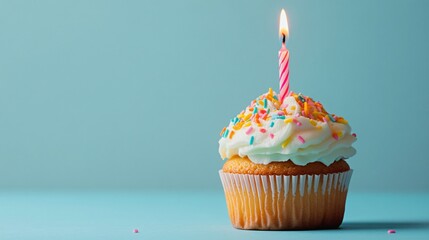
282,202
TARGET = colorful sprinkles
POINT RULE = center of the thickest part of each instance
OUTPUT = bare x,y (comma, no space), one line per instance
266,110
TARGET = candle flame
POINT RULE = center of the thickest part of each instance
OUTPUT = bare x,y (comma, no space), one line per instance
283,28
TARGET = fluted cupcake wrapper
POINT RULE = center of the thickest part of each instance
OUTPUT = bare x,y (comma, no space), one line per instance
286,202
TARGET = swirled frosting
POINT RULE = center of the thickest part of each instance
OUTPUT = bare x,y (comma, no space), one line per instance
299,129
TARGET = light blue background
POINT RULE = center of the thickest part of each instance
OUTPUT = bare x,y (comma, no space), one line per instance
133,94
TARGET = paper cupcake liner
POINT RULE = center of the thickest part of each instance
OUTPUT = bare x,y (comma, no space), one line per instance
286,202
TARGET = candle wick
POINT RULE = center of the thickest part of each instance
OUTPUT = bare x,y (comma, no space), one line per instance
284,38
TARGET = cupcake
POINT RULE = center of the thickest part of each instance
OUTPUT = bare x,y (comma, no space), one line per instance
285,165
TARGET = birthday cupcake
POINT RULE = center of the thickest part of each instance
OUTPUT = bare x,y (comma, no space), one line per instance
285,164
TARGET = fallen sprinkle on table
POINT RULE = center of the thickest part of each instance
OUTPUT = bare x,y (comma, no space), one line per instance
391,231
136,231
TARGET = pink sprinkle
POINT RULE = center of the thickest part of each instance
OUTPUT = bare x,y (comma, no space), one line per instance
249,130
334,135
280,113
297,115
286,105
354,135
136,231
391,231
297,122
302,112
263,116
271,135
301,139
262,130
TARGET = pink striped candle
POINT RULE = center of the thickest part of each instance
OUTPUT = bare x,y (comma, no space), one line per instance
283,58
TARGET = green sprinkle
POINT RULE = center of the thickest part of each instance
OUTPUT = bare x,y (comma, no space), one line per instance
272,124
255,110
265,103
330,117
301,98
275,97
252,138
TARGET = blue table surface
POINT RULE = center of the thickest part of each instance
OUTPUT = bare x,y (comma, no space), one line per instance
190,215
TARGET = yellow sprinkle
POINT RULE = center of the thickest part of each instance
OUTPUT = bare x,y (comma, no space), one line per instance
339,134
247,117
342,120
238,126
293,108
247,124
288,120
270,92
313,122
240,115
261,102
319,127
286,142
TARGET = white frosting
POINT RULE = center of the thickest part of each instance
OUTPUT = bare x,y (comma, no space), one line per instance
319,143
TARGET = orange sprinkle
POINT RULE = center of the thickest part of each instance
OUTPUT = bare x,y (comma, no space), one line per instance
231,134
293,108
306,108
256,118
223,130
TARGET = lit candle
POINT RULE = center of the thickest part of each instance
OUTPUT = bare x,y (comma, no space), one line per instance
283,58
